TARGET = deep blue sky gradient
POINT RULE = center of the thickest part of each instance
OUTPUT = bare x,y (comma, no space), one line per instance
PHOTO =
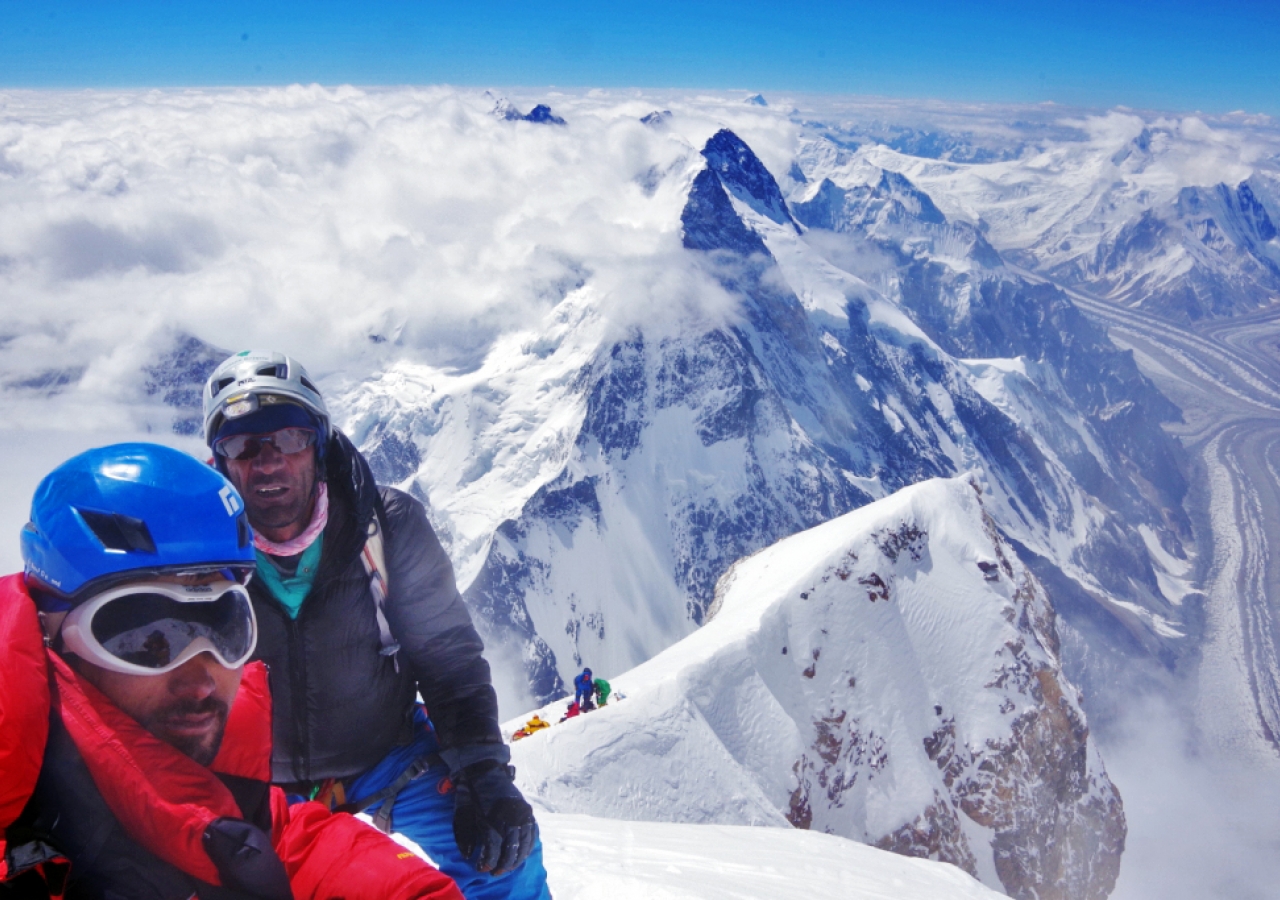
1176,55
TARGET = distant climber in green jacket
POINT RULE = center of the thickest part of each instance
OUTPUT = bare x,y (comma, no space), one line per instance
602,691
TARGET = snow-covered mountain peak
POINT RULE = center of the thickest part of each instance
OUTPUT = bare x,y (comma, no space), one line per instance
613,367
883,676
503,108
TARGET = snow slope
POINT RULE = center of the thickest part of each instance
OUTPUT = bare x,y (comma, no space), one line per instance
589,858
890,676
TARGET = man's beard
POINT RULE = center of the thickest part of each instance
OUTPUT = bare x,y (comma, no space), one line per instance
201,748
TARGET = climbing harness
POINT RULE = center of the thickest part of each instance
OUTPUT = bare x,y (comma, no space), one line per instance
387,796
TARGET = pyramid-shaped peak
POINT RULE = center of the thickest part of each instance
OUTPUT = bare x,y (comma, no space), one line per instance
915,201
744,176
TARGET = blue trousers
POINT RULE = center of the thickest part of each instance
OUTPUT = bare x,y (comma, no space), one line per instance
424,813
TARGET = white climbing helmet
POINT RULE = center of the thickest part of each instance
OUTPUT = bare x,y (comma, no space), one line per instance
252,379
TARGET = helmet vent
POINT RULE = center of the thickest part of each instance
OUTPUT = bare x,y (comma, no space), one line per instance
220,384
242,529
308,385
119,532
277,371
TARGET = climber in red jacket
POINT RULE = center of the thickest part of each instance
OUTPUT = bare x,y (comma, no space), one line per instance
135,744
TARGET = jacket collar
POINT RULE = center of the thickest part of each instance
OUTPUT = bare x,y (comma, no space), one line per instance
353,504
349,475
162,798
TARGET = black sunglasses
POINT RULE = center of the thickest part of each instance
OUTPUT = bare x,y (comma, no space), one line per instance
247,446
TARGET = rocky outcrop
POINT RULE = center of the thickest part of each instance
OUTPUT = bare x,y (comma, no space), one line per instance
1052,822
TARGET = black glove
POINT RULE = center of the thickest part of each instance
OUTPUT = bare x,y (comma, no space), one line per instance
492,823
246,861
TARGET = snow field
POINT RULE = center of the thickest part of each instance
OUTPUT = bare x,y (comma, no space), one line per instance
590,858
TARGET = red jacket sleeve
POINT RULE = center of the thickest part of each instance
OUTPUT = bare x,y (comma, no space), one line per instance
24,699
334,855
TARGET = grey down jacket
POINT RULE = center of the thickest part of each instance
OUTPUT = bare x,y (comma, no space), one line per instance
338,705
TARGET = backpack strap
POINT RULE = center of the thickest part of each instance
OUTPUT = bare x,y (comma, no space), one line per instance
373,556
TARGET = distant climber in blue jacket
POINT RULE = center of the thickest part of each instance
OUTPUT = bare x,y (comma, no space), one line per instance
584,689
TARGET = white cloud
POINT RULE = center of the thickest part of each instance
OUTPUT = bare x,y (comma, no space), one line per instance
320,221
1199,822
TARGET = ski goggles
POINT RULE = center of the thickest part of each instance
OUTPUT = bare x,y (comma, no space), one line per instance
153,627
247,446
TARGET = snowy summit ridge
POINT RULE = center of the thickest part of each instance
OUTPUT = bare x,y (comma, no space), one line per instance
890,676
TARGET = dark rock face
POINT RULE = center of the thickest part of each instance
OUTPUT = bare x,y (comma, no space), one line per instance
744,176
392,457
1250,212
936,835
178,377
542,115
710,222
1054,803
614,406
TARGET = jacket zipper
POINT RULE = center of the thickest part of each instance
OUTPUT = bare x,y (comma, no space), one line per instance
298,692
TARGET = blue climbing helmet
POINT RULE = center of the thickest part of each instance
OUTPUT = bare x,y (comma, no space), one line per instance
129,511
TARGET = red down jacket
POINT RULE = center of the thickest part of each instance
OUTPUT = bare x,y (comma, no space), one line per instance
169,819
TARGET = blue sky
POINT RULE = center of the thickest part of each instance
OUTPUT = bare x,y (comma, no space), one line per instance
1175,55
